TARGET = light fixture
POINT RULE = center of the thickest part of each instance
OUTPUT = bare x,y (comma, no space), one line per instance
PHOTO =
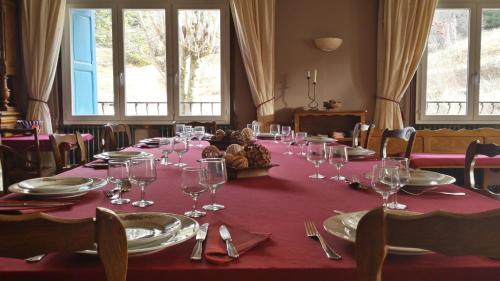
328,44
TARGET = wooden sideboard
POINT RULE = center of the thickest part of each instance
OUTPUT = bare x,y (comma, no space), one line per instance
326,122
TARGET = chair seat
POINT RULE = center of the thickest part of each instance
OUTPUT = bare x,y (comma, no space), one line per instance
428,160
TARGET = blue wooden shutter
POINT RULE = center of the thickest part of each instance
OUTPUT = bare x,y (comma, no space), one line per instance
84,62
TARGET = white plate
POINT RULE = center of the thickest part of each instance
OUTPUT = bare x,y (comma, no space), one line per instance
187,230
143,228
429,178
121,155
359,151
96,184
55,184
341,226
320,139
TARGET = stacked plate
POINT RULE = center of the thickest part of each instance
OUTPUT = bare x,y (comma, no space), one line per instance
425,179
151,232
60,187
344,226
121,155
320,139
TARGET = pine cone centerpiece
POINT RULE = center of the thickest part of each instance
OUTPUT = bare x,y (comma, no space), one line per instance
211,152
237,137
257,155
219,135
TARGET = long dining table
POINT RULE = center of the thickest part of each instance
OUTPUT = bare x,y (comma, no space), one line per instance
277,204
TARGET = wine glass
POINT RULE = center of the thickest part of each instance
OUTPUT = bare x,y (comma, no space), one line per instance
404,177
288,140
180,147
142,173
189,134
337,156
166,148
216,177
192,184
256,129
199,133
274,129
179,129
384,181
316,153
118,171
285,130
300,140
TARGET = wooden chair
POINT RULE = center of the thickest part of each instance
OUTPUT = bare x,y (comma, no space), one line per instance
62,144
25,236
116,137
210,127
17,165
476,148
445,233
357,134
407,134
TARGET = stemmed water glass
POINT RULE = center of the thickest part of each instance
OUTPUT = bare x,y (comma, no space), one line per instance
256,129
179,129
166,148
288,140
180,147
300,140
404,177
216,177
193,184
188,134
316,153
142,173
385,181
199,133
274,129
118,171
337,156
285,130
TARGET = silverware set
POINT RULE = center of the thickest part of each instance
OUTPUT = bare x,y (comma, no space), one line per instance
201,235
312,232
418,193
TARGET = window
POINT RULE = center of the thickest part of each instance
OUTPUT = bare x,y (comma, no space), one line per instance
145,62
459,76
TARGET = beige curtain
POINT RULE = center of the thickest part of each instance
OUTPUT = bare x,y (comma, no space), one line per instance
42,27
254,23
404,26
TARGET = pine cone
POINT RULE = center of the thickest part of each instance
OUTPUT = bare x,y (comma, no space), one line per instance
219,135
247,135
234,148
239,162
211,152
257,155
237,137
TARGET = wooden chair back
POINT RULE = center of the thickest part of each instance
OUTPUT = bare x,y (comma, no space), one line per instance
62,144
210,127
24,236
116,137
476,148
442,232
362,131
16,165
407,134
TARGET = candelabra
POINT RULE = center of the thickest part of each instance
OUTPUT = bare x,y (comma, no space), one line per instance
313,104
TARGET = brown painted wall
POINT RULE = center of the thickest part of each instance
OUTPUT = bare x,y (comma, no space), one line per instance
347,74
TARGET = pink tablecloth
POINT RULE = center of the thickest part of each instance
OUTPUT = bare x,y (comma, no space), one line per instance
21,142
277,204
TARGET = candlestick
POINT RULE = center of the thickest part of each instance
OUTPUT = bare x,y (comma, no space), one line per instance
315,75
308,74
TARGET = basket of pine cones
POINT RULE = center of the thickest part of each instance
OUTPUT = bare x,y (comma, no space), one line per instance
222,139
243,161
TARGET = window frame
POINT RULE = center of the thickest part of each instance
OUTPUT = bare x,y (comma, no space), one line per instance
117,8
474,60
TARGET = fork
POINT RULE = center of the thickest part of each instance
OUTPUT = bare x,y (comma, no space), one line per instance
433,191
312,232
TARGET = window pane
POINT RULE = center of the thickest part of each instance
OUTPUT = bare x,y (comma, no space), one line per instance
145,62
92,62
447,63
489,87
199,62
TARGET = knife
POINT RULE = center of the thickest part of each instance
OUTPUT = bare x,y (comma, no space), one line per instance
33,204
200,237
226,236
